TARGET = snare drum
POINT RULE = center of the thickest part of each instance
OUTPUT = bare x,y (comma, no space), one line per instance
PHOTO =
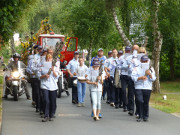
82,79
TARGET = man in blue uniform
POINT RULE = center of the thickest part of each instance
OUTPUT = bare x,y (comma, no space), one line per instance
143,76
33,67
106,80
110,70
71,68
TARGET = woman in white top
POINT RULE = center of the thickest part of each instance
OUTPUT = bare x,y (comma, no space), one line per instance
95,85
81,85
49,87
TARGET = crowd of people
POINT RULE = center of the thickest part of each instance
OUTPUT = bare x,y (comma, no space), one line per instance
123,79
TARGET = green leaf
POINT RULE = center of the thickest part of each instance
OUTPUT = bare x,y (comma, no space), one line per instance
10,7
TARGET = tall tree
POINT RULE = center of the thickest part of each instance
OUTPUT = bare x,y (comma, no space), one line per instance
10,14
158,39
86,19
111,6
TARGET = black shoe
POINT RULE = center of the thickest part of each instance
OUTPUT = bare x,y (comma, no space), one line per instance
120,106
50,119
54,116
145,119
131,113
28,98
104,98
139,120
5,96
108,102
117,106
73,101
41,113
37,110
125,110
76,102
45,119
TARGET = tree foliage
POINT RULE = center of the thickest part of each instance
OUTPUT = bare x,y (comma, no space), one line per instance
11,12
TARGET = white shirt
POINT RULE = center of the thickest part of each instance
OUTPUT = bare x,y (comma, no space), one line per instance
92,76
50,83
81,71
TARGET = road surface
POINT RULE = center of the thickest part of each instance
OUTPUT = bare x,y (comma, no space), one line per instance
20,118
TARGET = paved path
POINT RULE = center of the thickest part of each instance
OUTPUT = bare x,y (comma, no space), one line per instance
19,118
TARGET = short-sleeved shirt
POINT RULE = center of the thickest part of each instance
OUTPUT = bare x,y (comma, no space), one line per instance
50,83
81,71
72,66
92,76
103,58
112,64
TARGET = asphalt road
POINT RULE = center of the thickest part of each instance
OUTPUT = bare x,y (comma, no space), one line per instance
20,118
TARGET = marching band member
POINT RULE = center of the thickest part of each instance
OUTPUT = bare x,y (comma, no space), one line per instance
110,66
143,76
32,65
48,75
120,53
124,75
95,85
141,52
107,81
131,63
118,90
71,69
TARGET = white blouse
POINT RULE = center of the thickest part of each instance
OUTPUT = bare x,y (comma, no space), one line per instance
81,71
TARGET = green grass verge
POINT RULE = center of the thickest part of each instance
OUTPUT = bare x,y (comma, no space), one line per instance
1,79
168,87
172,104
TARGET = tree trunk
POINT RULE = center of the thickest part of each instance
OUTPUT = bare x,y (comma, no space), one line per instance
158,39
12,45
90,51
120,30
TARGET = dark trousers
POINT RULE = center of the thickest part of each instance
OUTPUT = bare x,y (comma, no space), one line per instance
111,90
49,102
35,83
105,87
142,97
108,81
127,82
42,108
118,96
33,90
136,113
74,90
131,94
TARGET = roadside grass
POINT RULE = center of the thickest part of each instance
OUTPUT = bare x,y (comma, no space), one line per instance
1,80
172,104
170,87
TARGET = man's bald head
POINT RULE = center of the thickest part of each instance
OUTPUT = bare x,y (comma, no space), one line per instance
135,47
